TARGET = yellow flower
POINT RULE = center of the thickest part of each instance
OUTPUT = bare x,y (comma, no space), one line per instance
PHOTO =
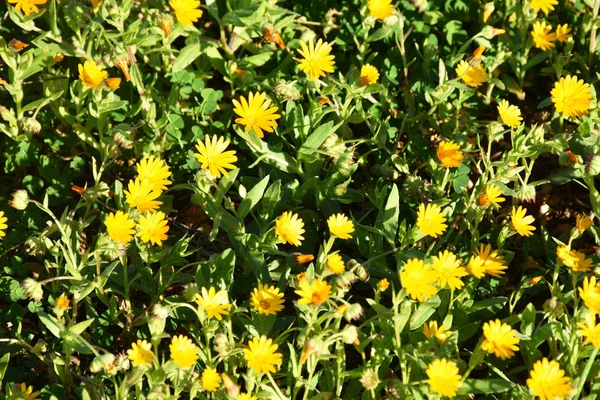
246,396
368,75
449,154
430,220
315,293
261,355
91,75
444,378
96,3
141,354
493,262
215,304
113,83
544,5
183,351
573,259
304,258
571,96
418,280
155,171
211,380
152,227
383,284
521,222
487,11
509,114
492,195
22,392
431,330
340,226
27,6
548,380
186,11
476,267
448,270
500,339
119,227
582,222
141,195
255,113
590,330
562,33
212,155
317,60
62,303
267,300
541,35
289,228
590,294
3,225
380,9
335,263
472,76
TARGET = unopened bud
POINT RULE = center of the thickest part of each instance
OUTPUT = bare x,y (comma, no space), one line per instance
33,289
488,9
554,308
369,379
31,125
353,312
350,334
20,200
102,362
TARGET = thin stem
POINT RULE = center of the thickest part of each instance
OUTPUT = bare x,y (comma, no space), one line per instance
593,35
275,387
588,366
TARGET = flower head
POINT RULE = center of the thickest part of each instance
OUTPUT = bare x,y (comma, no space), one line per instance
522,223
316,292
141,354
548,380
212,155
544,5
542,37
472,76
449,154
21,391
368,75
183,351
62,303
383,284
582,222
500,339
120,227
432,330
255,113
562,33
113,83
91,75
493,262
141,195
509,114
267,300
317,60
304,258
96,4
444,378
590,330
492,195
431,220
215,304
335,263
3,225
571,96
211,380
573,259
186,11
418,280
340,226
27,6
246,396
448,270
289,228
152,227
380,9
261,355
156,171
590,294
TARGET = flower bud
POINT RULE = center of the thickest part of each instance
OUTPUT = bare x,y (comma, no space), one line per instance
287,89
350,334
304,258
569,159
102,362
31,125
554,308
33,289
345,280
20,200
369,379
353,312
488,9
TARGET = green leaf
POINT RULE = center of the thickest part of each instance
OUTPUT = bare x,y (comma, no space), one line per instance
317,138
51,323
270,200
253,197
484,386
387,220
77,329
4,365
111,106
423,313
186,56
224,265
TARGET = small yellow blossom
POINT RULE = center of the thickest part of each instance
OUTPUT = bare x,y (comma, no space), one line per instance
183,351
590,330
215,304
368,75
340,226
383,284
431,220
186,11
472,76
500,339
582,222
141,354
211,380
542,37
444,378
509,114
521,222
544,5
562,33
27,5
548,380
449,154
289,228
91,75
335,263
419,280
317,59
380,9
572,96
432,330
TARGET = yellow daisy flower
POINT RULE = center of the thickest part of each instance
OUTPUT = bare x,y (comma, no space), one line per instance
215,304
541,35
120,227
590,294
212,155
267,300
590,330
211,380
430,220
340,226
62,303
571,96
380,9
261,355
492,195
183,351
289,228
113,83
548,380
246,396
255,113
432,330
449,154
444,378
141,195
141,354
91,75
493,262
335,263
500,339
186,11
582,222
152,227
473,76
544,5
418,280
3,224
476,267
27,5
522,223
96,4
368,75
562,33
315,293
155,171
448,270
509,114
383,284
317,60
20,391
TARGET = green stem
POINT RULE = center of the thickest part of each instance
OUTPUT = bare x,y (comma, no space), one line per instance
275,387
586,371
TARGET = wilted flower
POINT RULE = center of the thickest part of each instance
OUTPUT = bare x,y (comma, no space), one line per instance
33,289
369,379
